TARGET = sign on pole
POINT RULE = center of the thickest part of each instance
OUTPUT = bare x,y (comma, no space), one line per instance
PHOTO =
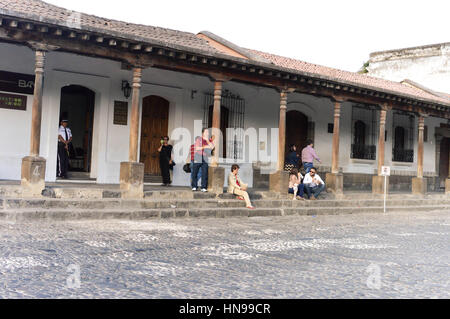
385,171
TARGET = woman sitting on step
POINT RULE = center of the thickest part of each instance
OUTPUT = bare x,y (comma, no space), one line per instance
295,184
237,187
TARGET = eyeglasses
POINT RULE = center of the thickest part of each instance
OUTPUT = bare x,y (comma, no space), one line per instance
312,172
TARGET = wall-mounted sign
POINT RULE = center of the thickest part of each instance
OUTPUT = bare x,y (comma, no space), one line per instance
120,113
385,171
17,82
13,102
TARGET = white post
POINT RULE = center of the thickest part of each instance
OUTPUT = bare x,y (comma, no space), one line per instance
385,182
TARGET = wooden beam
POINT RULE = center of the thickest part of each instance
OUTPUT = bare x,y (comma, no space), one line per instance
194,58
1,21
58,32
13,24
171,54
182,56
29,26
72,35
99,39
112,42
161,52
85,37
137,47
148,49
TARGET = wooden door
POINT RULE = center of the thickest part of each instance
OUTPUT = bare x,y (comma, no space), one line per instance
155,122
296,130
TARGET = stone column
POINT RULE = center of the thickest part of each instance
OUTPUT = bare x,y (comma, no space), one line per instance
278,181
419,183
216,174
447,181
335,180
378,181
132,172
33,166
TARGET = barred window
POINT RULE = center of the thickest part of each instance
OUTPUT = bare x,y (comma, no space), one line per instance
364,132
403,137
231,116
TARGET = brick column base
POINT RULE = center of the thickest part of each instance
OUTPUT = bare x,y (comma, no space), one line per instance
216,178
335,183
279,182
132,179
419,186
378,184
33,176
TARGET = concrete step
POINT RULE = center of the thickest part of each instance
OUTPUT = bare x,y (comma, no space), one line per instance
142,214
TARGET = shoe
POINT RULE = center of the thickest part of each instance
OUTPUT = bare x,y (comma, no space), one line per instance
240,198
301,198
250,207
194,189
204,190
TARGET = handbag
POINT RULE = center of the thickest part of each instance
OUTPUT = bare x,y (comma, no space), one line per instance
172,165
187,168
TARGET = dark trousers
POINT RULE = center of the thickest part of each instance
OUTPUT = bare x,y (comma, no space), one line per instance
164,165
314,190
63,160
203,168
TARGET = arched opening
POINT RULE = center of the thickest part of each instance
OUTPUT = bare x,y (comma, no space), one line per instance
77,106
296,130
155,125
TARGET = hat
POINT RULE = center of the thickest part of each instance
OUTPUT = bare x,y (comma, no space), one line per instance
64,121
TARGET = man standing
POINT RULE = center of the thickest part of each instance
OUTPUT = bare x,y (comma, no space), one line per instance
313,184
237,187
308,156
203,148
64,138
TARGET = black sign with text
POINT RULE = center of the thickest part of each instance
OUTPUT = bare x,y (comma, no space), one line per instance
16,82
13,102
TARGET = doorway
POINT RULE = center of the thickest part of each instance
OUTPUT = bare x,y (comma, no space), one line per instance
296,130
444,161
155,124
77,106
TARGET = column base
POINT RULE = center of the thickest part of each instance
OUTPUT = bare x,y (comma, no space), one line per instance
132,179
216,178
33,175
419,186
279,182
335,183
447,186
378,184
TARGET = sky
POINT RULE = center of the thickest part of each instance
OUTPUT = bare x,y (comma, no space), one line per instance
339,33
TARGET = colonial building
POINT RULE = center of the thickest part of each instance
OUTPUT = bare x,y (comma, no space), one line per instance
122,86
428,65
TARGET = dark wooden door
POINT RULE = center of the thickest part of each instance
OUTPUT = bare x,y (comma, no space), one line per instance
444,160
296,130
155,122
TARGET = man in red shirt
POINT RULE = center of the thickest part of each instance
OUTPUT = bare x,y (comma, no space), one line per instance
202,151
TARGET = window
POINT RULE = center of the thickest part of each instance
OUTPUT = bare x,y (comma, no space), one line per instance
403,139
364,132
231,116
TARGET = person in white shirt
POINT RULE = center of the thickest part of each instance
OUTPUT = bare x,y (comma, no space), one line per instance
64,138
313,184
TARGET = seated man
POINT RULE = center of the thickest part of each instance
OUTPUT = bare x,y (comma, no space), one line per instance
313,184
237,187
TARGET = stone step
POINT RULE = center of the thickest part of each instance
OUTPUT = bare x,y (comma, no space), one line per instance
142,214
221,202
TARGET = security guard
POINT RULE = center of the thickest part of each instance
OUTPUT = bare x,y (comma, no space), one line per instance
64,138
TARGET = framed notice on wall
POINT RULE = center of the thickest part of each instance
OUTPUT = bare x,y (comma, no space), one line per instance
13,102
120,113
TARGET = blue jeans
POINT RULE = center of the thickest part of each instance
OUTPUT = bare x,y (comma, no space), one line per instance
299,190
203,168
199,175
314,190
307,166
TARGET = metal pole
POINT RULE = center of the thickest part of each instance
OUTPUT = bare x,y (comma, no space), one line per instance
385,179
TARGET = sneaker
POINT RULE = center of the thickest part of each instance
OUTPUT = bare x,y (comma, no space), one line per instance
250,207
204,190
194,189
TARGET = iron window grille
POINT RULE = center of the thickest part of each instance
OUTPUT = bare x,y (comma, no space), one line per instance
403,137
232,116
364,132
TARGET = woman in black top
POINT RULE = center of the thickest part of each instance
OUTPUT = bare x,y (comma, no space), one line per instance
165,160
292,158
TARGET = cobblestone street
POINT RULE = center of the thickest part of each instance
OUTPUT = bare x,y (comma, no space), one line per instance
395,255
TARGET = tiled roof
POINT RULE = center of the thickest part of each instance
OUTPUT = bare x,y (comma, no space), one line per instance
351,78
36,10
41,11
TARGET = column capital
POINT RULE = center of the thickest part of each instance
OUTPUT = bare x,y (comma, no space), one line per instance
218,77
338,98
385,107
41,46
286,89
